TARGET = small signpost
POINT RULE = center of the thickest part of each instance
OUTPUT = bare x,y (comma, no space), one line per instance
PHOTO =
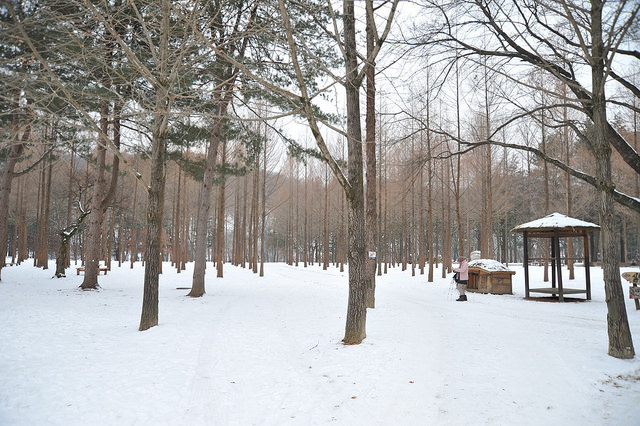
634,290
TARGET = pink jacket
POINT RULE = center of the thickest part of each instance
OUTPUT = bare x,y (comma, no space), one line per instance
463,270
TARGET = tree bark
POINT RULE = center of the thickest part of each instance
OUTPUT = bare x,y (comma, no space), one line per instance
155,203
355,329
325,222
620,341
94,228
202,222
6,178
371,178
220,228
264,210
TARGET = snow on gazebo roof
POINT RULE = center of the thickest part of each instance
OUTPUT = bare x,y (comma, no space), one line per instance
555,221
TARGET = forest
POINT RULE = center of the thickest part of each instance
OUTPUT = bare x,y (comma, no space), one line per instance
374,134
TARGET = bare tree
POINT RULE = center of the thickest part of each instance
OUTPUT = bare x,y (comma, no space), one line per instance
586,38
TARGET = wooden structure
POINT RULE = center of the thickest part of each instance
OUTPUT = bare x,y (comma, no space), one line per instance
634,290
554,227
494,282
100,269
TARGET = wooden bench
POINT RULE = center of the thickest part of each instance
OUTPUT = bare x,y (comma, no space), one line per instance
100,269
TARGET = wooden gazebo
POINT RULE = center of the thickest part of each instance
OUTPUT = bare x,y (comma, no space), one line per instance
556,226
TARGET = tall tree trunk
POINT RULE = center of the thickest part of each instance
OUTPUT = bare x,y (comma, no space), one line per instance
133,251
155,203
371,178
569,204
620,341
297,238
421,231
486,243
264,210
325,224
94,229
202,221
185,227
430,230
23,252
447,258
256,216
18,141
245,206
381,244
155,214
545,168
355,328
306,230
37,249
101,200
220,224
458,193
176,246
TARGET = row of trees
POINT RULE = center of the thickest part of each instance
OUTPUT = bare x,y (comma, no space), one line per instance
119,104
404,185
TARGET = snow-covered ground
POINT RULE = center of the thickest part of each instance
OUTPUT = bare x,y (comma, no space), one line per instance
267,351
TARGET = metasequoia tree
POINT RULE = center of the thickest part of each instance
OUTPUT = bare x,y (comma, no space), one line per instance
231,26
24,103
15,146
162,55
353,185
161,45
559,37
306,31
370,150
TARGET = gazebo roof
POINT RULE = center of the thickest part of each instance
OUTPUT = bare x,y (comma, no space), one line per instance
555,221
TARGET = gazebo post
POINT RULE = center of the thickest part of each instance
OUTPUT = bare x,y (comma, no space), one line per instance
587,273
558,257
526,265
553,262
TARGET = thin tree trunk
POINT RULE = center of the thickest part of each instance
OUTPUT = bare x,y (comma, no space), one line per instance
325,224
6,179
545,167
133,251
23,252
256,217
297,238
176,246
565,137
380,242
458,193
220,234
430,230
264,210
306,230
371,178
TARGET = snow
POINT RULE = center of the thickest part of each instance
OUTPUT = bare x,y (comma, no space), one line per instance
556,220
267,351
488,265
